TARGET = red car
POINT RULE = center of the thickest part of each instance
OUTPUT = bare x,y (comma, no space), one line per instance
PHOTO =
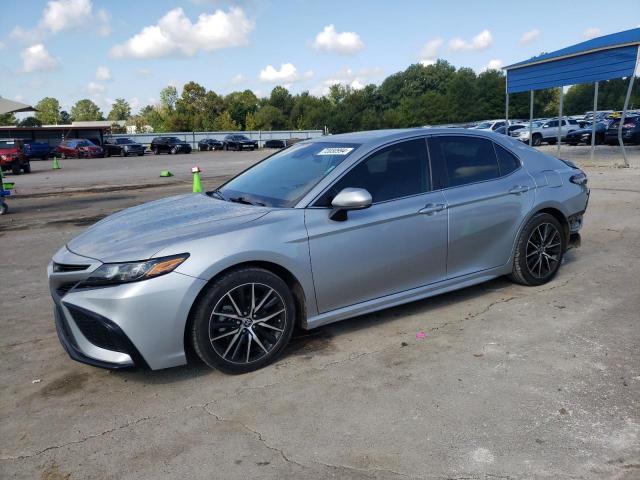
79,148
12,156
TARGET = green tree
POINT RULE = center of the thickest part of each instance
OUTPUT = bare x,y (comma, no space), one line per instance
7,119
168,97
85,110
225,123
238,104
48,111
64,118
270,118
120,110
250,122
30,122
282,100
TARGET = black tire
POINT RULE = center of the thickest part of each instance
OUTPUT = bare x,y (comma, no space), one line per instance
15,169
173,150
537,139
225,341
155,150
107,153
226,147
63,156
123,153
141,154
26,167
4,208
551,141
530,258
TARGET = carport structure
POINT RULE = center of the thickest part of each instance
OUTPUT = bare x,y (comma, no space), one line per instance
602,58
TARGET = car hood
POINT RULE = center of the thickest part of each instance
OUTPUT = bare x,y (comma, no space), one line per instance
140,232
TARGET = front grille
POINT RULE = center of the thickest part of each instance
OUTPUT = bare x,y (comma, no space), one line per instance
62,268
97,332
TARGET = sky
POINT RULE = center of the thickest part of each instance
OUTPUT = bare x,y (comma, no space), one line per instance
108,49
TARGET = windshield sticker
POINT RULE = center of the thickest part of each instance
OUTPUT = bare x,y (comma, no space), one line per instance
335,151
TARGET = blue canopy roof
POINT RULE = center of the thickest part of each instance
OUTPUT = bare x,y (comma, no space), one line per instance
602,58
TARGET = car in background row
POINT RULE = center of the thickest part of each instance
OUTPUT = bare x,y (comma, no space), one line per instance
238,142
12,156
122,147
79,148
489,125
169,145
583,135
210,144
630,131
275,144
512,128
33,149
548,131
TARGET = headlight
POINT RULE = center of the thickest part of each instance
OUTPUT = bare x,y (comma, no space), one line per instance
115,273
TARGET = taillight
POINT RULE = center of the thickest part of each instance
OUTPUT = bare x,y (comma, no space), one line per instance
628,125
579,178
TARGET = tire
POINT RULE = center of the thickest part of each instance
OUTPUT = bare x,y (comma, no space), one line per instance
226,341
4,208
551,141
15,169
141,154
541,242
537,140
63,156
26,167
123,153
226,147
107,153
174,150
155,150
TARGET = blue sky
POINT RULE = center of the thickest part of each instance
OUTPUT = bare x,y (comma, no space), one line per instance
99,49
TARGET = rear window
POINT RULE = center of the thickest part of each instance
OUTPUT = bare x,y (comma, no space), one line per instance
7,143
466,159
506,160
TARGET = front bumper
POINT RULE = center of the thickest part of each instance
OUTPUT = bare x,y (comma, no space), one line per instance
137,324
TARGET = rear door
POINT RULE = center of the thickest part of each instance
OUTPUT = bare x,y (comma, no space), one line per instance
397,244
487,192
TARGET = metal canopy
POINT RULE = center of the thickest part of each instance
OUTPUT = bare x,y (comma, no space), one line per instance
11,106
603,58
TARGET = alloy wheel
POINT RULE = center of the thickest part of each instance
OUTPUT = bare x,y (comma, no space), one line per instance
544,249
247,323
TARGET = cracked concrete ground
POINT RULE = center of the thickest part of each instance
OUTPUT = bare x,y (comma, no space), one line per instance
509,383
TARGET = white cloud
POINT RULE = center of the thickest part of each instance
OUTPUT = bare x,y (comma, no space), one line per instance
103,74
2,45
144,72
329,40
286,74
239,78
480,42
37,58
495,64
104,19
25,36
592,32
95,88
175,34
429,51
61,15
530,36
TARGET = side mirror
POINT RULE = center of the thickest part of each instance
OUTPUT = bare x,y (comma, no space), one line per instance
349,199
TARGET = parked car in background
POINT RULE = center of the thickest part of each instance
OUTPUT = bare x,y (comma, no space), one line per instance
548,131
512,129
210,144
79,148
331,228
489,125
583,135
239,142
33,149
630,131
123,147
12,156
169,145
275,144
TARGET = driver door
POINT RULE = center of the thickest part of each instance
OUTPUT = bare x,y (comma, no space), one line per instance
397,244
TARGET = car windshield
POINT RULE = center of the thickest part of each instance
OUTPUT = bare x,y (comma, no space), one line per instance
84,143
123,141
174,140
484,125
284,178
242,137
7,143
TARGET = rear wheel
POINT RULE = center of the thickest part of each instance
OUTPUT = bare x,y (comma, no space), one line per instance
123,153
15,169
4,208
26,167
539,251
155,150
243,321
537,140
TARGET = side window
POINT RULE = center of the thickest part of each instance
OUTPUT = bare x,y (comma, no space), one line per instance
552,123
396,171
465,159
507,160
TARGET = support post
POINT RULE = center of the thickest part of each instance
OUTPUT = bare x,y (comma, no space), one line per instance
531,120
593,126
506,106
622,118
560,117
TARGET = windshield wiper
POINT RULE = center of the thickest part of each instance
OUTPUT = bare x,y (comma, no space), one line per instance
216,193
244,201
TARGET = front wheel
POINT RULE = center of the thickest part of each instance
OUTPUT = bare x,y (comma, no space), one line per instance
537,140
243,321
155,151
4,208
26,167
539,251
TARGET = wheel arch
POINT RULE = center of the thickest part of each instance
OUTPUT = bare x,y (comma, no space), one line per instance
287,276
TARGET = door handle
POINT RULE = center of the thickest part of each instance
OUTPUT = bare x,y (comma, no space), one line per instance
431,208
518,189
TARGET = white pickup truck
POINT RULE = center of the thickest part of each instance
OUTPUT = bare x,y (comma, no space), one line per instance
547,132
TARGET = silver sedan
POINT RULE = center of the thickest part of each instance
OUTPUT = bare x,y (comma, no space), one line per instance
324,230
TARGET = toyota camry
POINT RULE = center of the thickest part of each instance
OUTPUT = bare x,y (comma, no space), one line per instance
327,229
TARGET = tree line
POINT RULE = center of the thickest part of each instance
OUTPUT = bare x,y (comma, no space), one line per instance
420,95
